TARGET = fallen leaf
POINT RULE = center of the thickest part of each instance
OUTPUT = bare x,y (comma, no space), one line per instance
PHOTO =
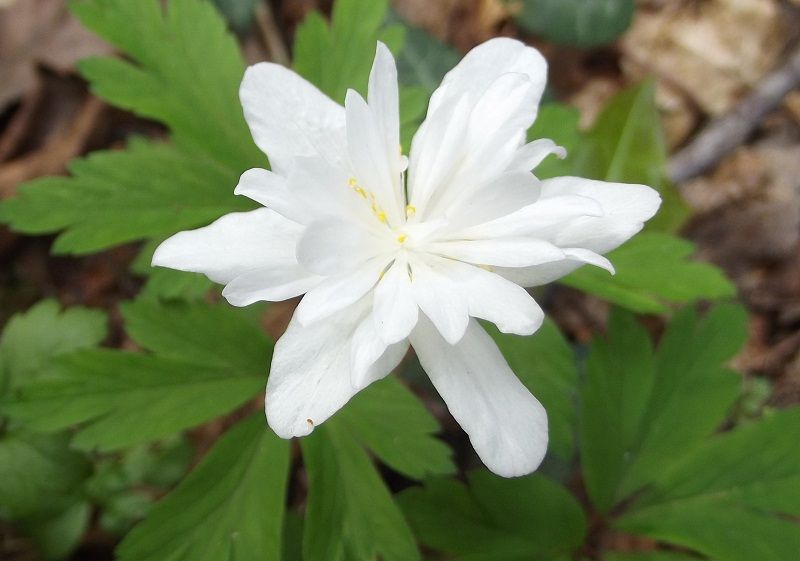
36,32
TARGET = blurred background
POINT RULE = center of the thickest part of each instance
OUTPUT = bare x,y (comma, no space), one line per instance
726,75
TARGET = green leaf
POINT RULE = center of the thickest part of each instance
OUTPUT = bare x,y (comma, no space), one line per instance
58,535
209,334
31,340
209,360
559,123
39,474
643,411
626,144
495,518
230,508
337,57
150,190
388,419
126,398
649,556
350,513
185,72
580,23
650,269
729,499
546,365
424,59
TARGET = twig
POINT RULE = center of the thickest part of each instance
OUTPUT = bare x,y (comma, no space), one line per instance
53,156
271,34
729,131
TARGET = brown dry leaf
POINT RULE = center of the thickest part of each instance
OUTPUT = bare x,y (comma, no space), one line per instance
708,53
463,23
39,32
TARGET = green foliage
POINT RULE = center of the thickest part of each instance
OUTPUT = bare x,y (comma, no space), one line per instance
350,512
339,56
40,477
207,361
495,518
653,268
229,508
649,556
626,144
559,123
56,536
731,497
545,363
185,72
389,420
580,23
39,473
120,196
238,13
31,340
641,411
424,59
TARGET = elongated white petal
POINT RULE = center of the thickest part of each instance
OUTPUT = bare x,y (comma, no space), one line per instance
384,101
505,194
395,310
233,245
335,293
505,423
269,284
625,209
368,155
548,272
533,153
370,356
310,376
334,246
500,252
486,63
289,117
495,299
440,298
540,219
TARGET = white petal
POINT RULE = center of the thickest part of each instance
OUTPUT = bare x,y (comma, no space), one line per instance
310,375
233,245
370,357
289,117
313,189
500,252
269,284
495,299
548,272
333,246
505,423
589,257
625,209
384,101
505,194
533,153
440,298
335,293
494,130
540,219
484,64
395,310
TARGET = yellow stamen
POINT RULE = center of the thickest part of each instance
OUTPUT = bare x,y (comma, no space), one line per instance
402,238
411,210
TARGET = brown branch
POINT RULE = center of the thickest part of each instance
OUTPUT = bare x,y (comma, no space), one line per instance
732,130
271,34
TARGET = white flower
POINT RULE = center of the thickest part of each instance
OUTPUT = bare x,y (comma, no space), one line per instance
384,262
